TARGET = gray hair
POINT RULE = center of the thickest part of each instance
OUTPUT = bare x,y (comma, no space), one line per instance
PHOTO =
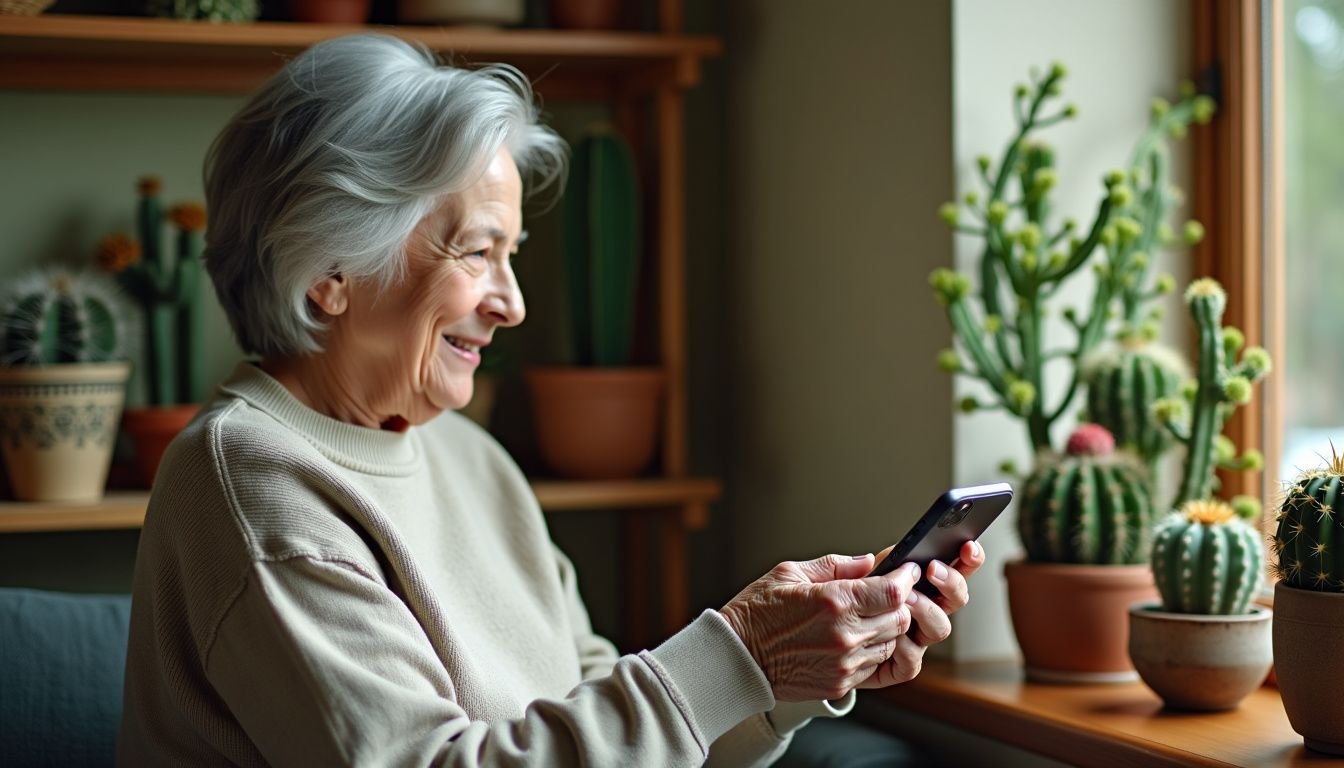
332,163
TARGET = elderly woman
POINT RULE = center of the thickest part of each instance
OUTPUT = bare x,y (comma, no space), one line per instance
335,570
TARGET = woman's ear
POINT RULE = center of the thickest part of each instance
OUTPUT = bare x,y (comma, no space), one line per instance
329,294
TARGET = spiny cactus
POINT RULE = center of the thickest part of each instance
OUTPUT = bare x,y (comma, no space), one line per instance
1197,419
59,316
601,247
1308,545
168,289
208,10
1123,382
1027,257
1090,505
1207,559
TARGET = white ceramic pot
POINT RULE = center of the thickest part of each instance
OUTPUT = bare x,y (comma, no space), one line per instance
58,424
1308,643
491,12
1199,662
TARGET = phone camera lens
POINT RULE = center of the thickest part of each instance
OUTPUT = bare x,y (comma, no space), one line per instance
956,515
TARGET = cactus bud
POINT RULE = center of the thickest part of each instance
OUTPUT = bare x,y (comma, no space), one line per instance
983,162
1224,450
1029,236
998,211
1252,460
1053,89
949,361
1246,507
1192,232
1169,409
1071,314
1237,389
1021,395
949,213
993,324
1108,235
1177,130
1071,111
1189,388
968,404
1090,440
1159,107
1233,339
1128,229
1139,260
949,286
1029,261
1058,71
1257,361
1165,284
1057,260
1008,467
1043,179
1164,234
971,198
1020,91
1203,109
1121,195
1157,313
1114,178
1149,330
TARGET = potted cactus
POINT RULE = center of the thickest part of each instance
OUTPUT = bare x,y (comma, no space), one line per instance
1077,536
63,377
1205,646
167,287
599,418
1308,559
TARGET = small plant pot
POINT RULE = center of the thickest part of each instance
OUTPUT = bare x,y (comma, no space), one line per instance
1199,662
596,423
483,12
330,11
151,430
1072,621
1308,638
58,425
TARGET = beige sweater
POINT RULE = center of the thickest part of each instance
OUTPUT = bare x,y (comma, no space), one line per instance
309,592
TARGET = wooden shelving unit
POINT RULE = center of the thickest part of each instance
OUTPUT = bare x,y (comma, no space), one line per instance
642,76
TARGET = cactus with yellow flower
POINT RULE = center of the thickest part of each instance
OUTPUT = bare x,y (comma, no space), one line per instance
167,285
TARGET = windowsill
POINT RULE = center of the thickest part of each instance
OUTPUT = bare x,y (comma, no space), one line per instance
1102,725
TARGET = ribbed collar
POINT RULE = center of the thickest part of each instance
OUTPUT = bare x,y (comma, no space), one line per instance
373,451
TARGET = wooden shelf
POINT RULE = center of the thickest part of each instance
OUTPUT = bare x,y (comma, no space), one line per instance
115,53
1103,726
126,509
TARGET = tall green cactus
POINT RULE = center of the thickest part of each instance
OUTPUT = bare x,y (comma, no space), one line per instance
1124,381
1089,505
60,317
1207,559
168,287
601,247
1308,545
1218,389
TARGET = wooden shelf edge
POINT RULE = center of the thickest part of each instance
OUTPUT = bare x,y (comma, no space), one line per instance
122,510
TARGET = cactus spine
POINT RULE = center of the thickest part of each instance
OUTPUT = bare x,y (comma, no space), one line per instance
60,317
601,246
1207,559
1309,542
1123,383
1090,505
168,288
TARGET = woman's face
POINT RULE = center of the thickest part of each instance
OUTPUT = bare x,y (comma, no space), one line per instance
420,339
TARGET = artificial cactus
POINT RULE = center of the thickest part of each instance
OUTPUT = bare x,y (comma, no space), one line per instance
1308,544
168,289
1196,420
1124,381
207,10
601,248
60,317
1207,559
1027,257
1089,505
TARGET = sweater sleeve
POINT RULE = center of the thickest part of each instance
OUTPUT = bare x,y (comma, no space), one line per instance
321,664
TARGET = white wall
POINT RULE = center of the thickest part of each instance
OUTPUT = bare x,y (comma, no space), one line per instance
1119,55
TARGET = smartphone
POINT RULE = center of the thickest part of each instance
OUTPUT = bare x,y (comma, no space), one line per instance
958,516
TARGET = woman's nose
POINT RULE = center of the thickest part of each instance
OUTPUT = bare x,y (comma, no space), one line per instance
505,306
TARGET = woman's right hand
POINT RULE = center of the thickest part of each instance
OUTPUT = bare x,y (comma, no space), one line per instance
819,628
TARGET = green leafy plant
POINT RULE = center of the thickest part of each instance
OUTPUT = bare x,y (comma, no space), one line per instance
601,248
208,10
168,289
60,316
1308,544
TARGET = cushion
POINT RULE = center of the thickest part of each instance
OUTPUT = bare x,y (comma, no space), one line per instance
62,661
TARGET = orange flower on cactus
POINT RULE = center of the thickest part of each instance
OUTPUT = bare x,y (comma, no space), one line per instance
148,186
188,217
116,252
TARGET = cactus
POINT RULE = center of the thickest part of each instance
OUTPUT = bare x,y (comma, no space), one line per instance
58,317
1308,545
1026,258
602,248
1217,391
1090,505
168,289
1123,382
1207,559
208,10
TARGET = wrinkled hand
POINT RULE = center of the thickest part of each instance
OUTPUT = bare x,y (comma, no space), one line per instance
819,628
930,617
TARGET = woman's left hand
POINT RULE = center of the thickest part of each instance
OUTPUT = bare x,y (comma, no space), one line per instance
929,616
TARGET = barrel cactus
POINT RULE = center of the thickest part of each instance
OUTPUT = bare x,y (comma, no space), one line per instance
1309,543
1207,558
1123,382
59,316
1090,505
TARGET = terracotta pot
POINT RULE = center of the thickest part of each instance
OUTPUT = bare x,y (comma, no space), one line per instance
59,425
1308,643
491,12
586,14
1200,662
151,430
482,402
330,11
596,423
1072,621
